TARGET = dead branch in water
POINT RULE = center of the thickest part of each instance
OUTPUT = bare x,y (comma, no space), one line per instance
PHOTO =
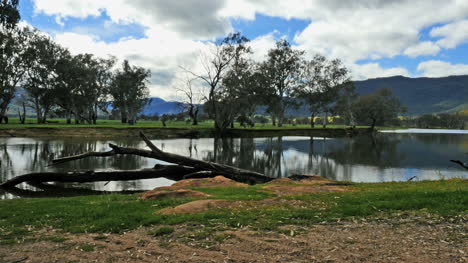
185,168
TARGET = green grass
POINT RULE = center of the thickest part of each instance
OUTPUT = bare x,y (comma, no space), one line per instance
118,213
61,123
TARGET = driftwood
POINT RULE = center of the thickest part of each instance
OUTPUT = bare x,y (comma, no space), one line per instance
185,168
460,163
50,190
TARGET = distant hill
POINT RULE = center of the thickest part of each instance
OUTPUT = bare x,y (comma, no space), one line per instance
159,106
419,95
423,95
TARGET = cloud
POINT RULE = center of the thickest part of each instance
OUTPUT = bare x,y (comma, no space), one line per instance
71,8
423,48
189,18
438,68
177,31
452,34
374,70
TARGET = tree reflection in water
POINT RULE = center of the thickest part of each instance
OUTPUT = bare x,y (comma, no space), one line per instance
386,157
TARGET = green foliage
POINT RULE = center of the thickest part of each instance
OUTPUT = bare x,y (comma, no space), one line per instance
279,76
129,91
9,14
377,108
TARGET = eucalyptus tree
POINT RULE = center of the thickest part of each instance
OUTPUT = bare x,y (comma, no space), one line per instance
192,98
9,14
241,90
104,78
216,65
323,82
378,107
280,76
42,75
69,77
129,91
14,44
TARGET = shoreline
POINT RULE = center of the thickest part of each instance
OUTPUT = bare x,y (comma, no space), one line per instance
157,132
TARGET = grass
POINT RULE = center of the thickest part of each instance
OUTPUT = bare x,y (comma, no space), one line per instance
117,213
61,123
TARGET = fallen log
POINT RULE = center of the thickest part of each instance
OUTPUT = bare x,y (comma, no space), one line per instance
172,172
184,168
460,163
234,173
48,190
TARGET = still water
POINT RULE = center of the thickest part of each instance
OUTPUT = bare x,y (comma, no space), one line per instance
382,158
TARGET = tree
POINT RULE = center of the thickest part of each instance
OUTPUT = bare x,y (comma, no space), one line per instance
216,65
9,14
192,99
280,76
42,76
323,83
13,48
129,91
377,107
104,79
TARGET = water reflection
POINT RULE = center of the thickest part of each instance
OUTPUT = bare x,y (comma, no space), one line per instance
385,157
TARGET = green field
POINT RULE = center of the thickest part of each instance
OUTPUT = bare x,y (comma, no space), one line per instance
61,123
115,213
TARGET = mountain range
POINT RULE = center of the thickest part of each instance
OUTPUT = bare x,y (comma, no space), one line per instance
423,95
419,95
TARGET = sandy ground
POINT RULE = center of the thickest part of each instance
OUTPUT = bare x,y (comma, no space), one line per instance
342,242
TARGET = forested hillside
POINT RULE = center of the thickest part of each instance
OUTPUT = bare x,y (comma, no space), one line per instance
423,95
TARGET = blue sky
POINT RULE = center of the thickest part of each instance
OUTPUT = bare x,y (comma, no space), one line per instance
374,38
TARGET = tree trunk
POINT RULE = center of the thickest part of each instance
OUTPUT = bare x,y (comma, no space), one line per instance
374,121
325,120
312,122
172,172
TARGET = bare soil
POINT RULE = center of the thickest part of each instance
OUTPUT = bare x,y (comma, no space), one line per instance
389,241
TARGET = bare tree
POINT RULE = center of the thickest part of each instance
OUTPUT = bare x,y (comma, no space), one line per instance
192,98
215,67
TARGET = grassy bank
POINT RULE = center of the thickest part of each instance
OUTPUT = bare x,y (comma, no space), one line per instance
112,128
442,200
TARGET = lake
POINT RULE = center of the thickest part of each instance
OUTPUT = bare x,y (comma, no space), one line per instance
385,157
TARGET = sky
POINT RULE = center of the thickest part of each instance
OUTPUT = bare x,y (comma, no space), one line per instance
374,38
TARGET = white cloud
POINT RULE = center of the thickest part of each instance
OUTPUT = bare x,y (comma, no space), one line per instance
350,30
452,34
423,48
189,18
71,8
437,68
374,70
261,45
162,53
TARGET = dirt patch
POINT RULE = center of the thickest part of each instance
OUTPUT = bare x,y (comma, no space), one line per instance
218,181
303,189
345,242
180,188
173,193
307,184
198,206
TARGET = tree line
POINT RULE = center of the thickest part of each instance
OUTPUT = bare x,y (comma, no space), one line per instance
46,77
285,79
